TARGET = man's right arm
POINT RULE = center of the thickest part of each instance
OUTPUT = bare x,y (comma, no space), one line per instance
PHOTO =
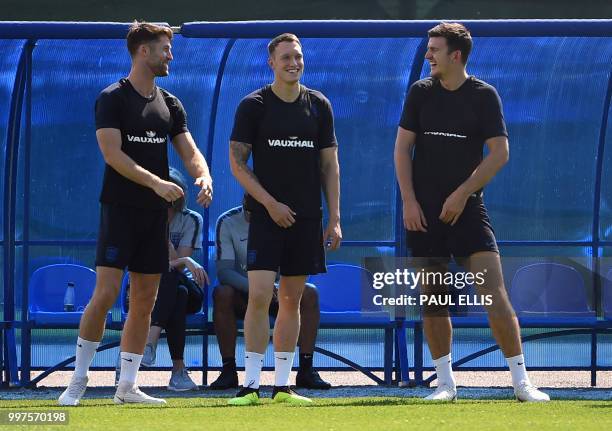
414,219
227,274
239,156
244,132
109,140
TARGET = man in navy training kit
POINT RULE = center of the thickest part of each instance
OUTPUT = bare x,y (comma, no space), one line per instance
134,118
447,119
178,295
290,131
230,299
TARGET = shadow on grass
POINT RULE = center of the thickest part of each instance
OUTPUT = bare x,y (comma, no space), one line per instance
52,404
601,406
354,403
394,402
265,403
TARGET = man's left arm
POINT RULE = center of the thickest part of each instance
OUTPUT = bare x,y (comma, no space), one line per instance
196,165
330,178
498,156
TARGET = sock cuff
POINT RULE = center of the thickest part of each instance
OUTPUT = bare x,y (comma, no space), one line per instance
87,343
254,355
129,355
516,359
443,360
283,354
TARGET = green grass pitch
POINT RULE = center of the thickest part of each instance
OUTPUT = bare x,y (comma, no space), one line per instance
204,414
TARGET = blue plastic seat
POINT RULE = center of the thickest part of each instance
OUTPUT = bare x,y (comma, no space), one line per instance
345,297
46,295
550,294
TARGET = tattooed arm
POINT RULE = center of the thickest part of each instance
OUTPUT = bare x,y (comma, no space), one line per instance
239,155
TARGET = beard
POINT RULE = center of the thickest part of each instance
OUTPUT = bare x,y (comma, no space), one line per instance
159,69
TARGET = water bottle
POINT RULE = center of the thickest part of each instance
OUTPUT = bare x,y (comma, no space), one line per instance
69,297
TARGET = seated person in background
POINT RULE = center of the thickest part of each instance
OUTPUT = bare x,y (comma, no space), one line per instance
231,297
178,294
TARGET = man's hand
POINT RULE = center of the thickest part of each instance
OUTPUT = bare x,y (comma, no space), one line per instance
199,274
414,219
281,214
332,237
453,207
206,193
168,190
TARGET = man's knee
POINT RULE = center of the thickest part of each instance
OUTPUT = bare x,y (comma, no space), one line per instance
310,297
291,301
260,299
142,300
223,296
103,299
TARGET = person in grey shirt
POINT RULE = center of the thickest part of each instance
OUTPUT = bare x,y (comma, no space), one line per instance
230,299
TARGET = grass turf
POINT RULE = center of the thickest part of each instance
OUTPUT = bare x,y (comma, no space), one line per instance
328,414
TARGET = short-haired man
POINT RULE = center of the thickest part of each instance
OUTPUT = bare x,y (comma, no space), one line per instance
447,119
134,118
290,131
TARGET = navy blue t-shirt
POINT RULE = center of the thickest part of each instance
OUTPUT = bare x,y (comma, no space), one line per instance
286,139
451,129
145,124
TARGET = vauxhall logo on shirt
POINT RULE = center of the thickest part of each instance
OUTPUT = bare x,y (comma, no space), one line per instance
292,142
150,138
445,134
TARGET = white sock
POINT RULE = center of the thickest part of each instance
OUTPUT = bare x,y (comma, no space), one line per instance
444,371
130,363
252,367
517,369
85,351
283,362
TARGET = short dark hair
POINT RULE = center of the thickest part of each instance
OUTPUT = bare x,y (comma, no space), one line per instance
285,37
143,32
458,38
177,178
